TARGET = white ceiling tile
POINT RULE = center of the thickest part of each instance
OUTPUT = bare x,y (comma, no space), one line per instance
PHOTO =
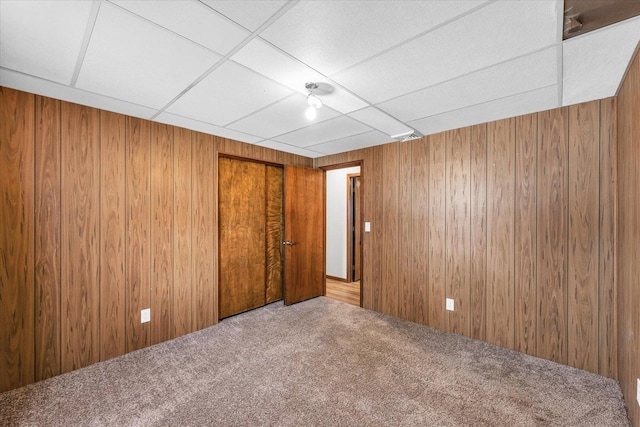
131,59
248,13
350,143
269,122
43,38
51,89
190,19
172,119
594,63
273,63
270,62
343,101
495,33
381,121
229,93
332,35
290,149
339,127
524,103
524,74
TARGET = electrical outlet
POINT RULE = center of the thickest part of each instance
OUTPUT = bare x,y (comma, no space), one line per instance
450,304
638,392
145,315
367,227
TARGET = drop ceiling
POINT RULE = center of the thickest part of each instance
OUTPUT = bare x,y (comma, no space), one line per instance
238,69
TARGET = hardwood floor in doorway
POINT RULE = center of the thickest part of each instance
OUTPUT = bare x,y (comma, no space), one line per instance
344,292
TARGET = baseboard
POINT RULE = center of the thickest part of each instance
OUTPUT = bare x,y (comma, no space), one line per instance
337,279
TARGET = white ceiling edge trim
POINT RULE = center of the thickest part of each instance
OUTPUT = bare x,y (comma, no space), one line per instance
292,149
204,127
24,82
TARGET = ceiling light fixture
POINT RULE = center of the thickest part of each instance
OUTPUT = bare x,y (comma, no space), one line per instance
313,101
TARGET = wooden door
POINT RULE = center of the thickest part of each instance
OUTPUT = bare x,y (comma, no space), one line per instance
304,234
241,207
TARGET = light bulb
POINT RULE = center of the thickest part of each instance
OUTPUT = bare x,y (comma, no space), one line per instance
311,113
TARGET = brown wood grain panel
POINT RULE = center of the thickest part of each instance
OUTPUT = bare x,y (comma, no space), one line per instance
478,209
500,232
182,236
628,237
457,229
405,233
437,226
16,240
242,227
584,206
112,234
419,229
138,223
552,235
525,233
607,336
390,232
161,232
373,188
47,241
274,232
205,295
80,231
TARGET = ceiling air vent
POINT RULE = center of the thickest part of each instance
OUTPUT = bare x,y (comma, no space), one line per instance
407,136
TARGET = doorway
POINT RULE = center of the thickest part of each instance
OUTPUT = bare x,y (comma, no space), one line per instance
343,194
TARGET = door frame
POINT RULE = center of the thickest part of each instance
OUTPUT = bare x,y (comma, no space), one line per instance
350,223
345,165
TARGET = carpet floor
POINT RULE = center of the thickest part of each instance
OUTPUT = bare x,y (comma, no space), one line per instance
320,363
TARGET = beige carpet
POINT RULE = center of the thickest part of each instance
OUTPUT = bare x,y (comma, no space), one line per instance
320,363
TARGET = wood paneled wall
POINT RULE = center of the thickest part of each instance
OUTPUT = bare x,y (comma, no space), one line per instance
628,268
103,215
513,219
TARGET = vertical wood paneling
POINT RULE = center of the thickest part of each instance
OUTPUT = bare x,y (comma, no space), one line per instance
525,234
47,245
161,232
478,268
457,228
552,235
138,239
405,288
628,237
584,206
437,224
390,193
80,232
112,235
16,239
182,237
607,330
419,229
375,240
205,303
500,232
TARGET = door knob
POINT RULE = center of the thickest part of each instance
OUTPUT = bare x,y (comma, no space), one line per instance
288,243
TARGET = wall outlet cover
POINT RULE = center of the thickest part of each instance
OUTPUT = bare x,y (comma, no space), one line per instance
450,304
145,315
367,227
